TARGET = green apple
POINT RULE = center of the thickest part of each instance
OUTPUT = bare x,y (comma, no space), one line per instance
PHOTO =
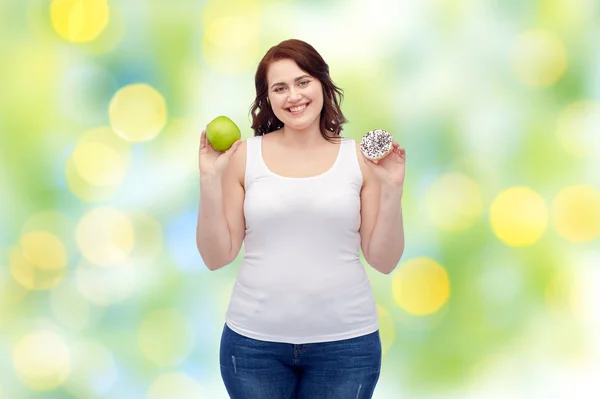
222,132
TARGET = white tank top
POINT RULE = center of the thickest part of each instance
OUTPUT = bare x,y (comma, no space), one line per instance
301,279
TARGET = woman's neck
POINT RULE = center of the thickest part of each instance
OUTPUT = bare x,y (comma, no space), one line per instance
306,138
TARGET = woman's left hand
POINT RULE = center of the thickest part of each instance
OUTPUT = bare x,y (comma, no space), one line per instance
390,170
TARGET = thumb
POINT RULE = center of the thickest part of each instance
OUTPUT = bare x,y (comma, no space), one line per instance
233,149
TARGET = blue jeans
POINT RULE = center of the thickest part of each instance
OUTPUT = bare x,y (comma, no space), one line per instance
345,369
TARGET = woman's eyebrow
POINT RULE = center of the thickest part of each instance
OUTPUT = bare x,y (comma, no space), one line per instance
295,80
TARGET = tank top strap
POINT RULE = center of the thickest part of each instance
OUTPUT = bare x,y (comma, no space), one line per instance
349,158
254,164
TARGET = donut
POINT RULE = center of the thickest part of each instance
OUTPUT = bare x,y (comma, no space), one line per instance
376,144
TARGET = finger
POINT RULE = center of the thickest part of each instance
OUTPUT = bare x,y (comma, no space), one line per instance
207,145
203,139
233,148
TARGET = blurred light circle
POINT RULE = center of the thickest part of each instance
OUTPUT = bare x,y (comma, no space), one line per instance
94,370
453,202
387,330
576,213
174,386
107,136
99,164
30,276
137,112
421,286
83,189
230,42
539,58
105,236
42,360
39,262
55,222
165,337
43,250
519,216
578,129
79,20
104,286
11,291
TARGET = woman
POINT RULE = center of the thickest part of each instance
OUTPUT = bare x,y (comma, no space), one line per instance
302,321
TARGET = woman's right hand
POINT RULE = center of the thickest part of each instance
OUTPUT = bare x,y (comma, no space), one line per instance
212,162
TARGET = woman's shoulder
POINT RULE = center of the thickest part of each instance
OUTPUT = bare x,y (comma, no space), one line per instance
362,162
237,164
254,138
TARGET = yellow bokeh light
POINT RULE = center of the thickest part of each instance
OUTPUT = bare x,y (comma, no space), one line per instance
386,329
11,291
99,164
105,236
576,213
174,386
42,360
165,337
453,202
43,250
578,129
539,58
230,42
137,112
28,276
519,216
421,286
83,189
79,21
54,222
39,262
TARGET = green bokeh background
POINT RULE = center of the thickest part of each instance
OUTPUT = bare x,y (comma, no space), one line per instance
458,84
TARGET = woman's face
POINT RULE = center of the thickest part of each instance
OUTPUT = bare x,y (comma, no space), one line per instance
296,97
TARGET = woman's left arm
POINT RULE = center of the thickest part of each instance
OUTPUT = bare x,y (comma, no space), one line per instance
382,227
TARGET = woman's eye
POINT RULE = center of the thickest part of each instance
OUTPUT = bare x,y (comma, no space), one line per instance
304,82
277,90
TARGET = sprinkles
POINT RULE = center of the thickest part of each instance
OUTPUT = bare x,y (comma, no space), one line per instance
376,144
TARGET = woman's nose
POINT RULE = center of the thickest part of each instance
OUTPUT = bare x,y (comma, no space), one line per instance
294,95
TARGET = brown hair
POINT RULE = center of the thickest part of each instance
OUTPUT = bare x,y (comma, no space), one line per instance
309,60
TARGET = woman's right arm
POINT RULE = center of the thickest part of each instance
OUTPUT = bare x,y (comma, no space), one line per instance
221,226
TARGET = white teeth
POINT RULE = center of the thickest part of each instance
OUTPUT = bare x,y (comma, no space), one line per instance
296,109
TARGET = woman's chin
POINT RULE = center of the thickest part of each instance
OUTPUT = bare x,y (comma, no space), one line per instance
296,125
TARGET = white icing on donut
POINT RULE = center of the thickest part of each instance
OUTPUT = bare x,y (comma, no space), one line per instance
376,144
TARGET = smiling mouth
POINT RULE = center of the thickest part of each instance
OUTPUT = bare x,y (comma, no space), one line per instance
299,109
